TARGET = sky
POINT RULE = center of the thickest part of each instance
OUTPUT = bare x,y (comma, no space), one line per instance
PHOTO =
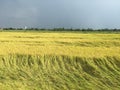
94,14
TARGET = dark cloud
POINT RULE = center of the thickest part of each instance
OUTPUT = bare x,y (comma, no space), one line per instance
60,13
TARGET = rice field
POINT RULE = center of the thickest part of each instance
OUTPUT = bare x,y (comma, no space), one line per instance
35,60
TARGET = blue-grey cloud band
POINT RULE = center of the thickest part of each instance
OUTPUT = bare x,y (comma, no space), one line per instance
60,13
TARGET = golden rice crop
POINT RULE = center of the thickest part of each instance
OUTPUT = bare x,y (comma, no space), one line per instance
59,61
71,44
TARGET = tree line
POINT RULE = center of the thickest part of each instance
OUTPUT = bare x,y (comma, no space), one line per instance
60,29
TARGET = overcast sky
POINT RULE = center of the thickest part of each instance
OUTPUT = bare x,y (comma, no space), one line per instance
60,13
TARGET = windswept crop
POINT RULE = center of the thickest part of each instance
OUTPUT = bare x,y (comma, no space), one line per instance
59,61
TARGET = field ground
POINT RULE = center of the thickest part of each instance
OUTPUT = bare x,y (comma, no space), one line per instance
59,61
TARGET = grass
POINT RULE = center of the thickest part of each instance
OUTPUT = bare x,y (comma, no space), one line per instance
59,61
